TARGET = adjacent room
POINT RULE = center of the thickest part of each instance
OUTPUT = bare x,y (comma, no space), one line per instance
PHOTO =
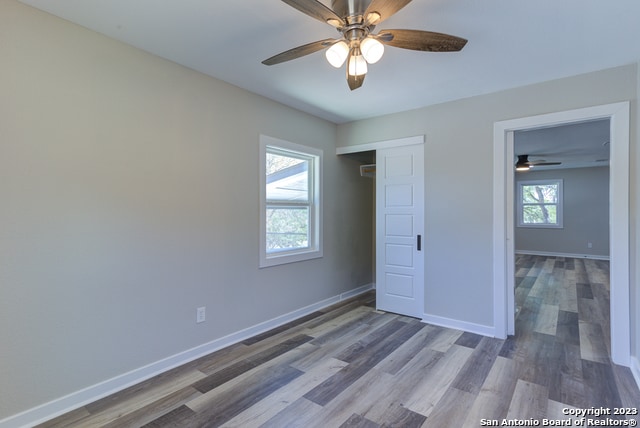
307,213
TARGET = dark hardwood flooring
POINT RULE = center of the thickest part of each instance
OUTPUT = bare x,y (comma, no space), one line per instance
352,366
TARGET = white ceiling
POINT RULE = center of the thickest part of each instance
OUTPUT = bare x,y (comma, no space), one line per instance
576,145
511,43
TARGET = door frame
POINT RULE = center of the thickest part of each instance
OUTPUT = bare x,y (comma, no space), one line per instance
503,218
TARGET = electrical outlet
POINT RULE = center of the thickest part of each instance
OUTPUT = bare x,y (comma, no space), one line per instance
589,245
201,314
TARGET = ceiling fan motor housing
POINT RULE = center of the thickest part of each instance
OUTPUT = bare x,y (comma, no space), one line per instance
346,8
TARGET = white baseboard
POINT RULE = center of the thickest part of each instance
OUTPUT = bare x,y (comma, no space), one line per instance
635,369
95,392
568,255
483,330
357,291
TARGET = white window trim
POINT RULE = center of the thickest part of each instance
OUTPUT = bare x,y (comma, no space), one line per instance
315,213
559,204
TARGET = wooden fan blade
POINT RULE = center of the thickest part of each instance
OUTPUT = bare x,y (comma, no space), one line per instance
384,9
542,163
317,10
419,40
298,52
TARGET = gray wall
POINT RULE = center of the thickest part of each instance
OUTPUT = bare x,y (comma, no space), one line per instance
585,219
459,157
129,189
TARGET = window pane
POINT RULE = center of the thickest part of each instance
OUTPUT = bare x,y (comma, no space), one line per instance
546,193
539,214
287,178
287,228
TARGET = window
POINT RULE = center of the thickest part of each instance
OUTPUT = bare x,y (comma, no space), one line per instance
290,199
540,203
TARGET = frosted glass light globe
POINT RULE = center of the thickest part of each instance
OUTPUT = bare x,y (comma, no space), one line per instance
372,50
357,65
337,54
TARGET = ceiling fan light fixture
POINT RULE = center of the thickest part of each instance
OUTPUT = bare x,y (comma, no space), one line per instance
337,54
355,20
372,50
356,64
523,163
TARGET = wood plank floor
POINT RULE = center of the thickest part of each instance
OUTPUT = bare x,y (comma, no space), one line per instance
352,366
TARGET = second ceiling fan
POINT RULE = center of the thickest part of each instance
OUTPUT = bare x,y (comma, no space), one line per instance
524,164
355,20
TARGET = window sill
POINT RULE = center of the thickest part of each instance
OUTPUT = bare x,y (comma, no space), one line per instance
286,258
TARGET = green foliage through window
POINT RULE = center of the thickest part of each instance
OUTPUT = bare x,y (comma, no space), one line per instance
287,228
540,203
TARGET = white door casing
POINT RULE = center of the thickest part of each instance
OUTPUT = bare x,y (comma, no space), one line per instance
399,230
503,212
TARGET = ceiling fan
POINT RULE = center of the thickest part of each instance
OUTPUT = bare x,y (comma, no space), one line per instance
355,20
524,164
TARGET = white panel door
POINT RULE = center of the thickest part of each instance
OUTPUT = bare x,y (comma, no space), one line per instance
399,234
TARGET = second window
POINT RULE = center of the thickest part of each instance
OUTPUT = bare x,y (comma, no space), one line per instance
540,203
